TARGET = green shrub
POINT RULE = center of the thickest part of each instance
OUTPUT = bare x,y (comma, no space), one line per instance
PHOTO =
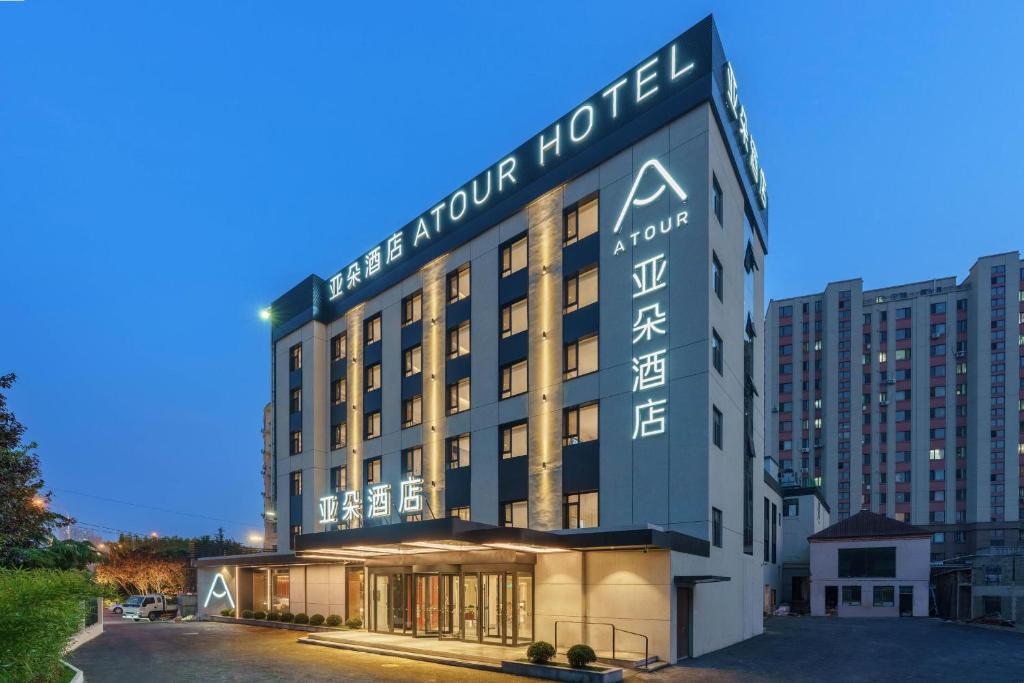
274,616
580,655
247,614
259,615
301,618
40,611
287,617
354,622
540,652
227,612
333,620
316,619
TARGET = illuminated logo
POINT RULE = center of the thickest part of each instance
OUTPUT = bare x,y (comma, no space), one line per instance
329,509
746,141
225,593
666,182
412,496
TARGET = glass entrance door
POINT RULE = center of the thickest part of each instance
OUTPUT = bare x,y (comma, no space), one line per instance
381,603
492,603
471,606
426,603
450,619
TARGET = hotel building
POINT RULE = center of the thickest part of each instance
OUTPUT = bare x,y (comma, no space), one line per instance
541,400
907,401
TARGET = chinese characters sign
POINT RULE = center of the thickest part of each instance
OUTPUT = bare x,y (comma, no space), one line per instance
378,503
649,287
746,141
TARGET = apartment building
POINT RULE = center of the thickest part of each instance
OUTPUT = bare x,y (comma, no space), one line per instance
907,401
540,401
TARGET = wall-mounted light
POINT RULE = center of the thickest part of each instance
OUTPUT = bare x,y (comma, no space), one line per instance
265,314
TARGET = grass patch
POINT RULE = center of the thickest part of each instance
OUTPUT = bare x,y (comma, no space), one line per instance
565,665
64,675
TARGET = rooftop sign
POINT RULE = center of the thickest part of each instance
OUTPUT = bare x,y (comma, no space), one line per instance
675,66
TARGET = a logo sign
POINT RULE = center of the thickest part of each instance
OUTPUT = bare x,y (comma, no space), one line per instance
659,77
745,140
329,510
649,285
218,580
662,181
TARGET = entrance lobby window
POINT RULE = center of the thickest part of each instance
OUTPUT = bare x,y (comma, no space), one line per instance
514,514
580,510
280,597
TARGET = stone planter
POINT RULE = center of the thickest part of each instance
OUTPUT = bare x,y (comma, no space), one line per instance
79,675
565,673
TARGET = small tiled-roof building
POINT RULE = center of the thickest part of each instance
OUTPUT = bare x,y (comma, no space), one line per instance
870,565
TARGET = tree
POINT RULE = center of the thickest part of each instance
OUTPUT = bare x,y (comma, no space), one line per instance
25,518
135,570
58,555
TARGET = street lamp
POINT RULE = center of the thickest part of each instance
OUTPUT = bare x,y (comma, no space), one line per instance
39,502
255,539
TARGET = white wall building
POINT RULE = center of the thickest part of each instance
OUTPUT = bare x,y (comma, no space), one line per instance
870,565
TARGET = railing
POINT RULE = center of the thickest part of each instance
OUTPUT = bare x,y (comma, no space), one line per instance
614,629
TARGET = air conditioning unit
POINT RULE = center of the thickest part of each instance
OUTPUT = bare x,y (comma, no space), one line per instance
775,409
883,403
890,381
938,335
960,354
805,450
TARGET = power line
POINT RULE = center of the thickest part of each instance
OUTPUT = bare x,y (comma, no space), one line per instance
158,509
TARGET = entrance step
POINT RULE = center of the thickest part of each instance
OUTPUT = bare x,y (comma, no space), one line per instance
436,655
628,660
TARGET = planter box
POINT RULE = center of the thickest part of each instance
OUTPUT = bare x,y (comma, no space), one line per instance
274,624
78,676
562,673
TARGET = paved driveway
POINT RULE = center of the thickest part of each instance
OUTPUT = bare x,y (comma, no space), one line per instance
797,649
210,651
793,649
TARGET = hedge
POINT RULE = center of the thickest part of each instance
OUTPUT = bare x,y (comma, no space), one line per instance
40,611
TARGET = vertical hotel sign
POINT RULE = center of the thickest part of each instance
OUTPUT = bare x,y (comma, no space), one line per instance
649,287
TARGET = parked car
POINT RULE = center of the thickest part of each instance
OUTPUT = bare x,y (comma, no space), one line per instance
117,608
152,607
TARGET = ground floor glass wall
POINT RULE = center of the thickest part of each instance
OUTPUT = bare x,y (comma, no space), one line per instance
483,606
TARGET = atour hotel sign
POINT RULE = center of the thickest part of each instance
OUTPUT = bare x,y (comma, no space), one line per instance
664,74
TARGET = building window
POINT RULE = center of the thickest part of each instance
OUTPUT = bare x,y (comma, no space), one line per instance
716,426
716,351
340,435
296,401
294,532
514,440
851,596
373,378
580,357
581,289
458,451
340,391
580,510
716,199
717,277
412,411
373,330
412,462
296,442
295,355
372,471
412,361
372,425
581,221
412,308
514,379
458,284
458,340
339,478
458,396
791,507
580,424
459,513
515,514
295,483
716,527
867,562
339,346
514,318
513,257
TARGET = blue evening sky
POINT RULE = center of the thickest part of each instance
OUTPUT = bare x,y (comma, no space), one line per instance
167,168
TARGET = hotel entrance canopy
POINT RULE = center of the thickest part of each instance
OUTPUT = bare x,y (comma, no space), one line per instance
457,535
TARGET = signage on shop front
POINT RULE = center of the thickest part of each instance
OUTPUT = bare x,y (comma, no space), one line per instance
218,580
